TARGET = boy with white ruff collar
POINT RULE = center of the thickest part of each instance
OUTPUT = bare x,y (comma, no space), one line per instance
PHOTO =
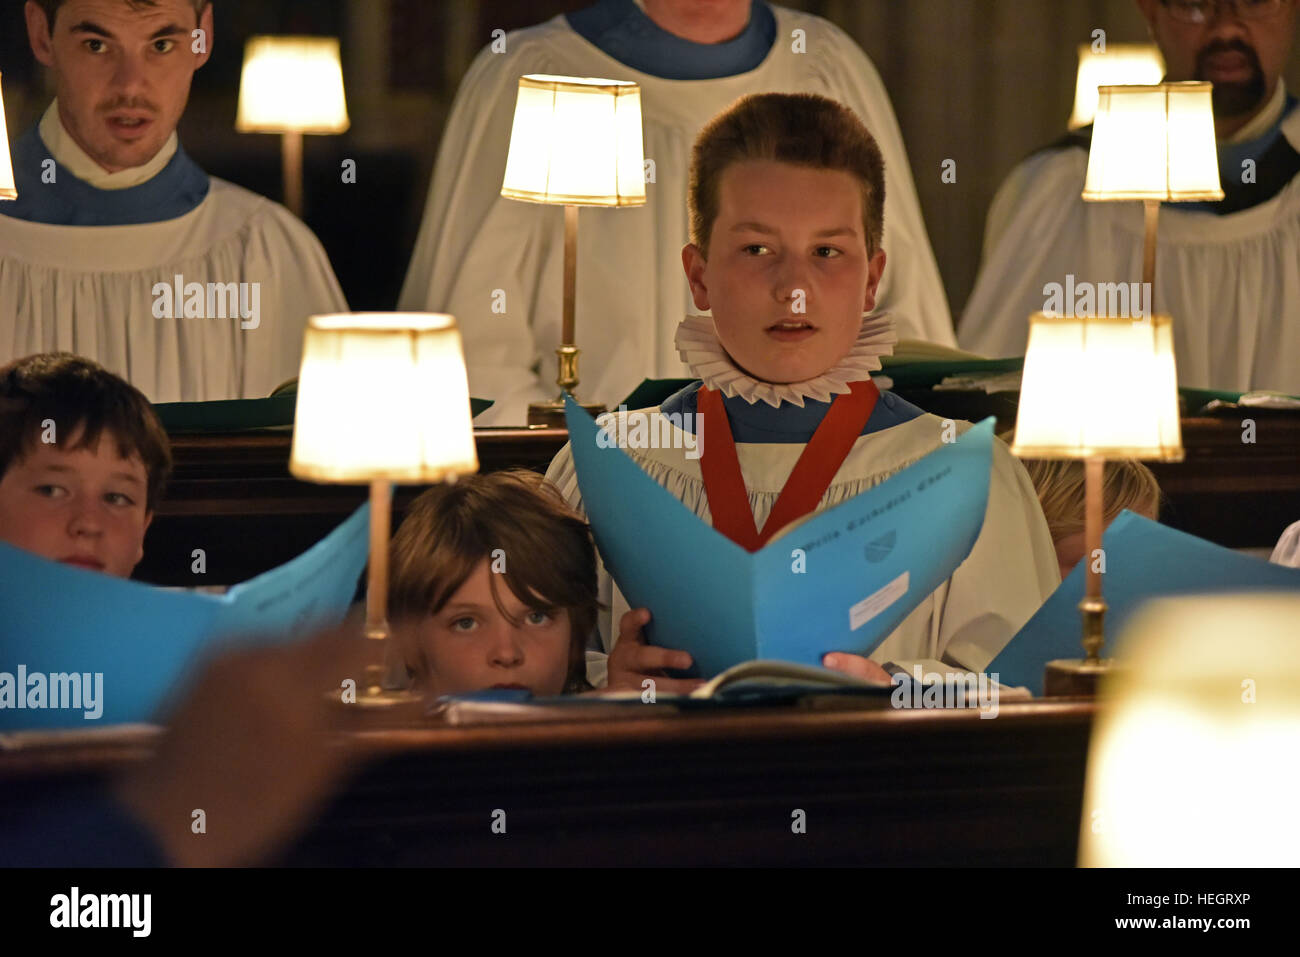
786,207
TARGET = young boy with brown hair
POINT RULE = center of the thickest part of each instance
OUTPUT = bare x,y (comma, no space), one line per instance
83,463
787,250
460,629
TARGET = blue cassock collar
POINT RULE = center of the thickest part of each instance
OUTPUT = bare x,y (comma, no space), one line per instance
1232,154
621,29
68,201
1276,164
787,423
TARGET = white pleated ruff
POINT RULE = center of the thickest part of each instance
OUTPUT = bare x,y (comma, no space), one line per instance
706,359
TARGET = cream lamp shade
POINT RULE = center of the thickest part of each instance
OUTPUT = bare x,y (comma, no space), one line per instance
1193,756
1099,387
382,396
577,142
1121,63
1153,143
292,84
8,189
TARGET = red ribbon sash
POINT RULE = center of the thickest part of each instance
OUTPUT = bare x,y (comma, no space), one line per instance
821,459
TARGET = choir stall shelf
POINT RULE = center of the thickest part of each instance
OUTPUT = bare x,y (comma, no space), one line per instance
878,786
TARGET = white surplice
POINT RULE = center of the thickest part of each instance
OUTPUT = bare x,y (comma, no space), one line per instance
496,263
1231,281
93,290
89,290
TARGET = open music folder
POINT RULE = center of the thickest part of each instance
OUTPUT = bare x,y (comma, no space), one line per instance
61,623
840,580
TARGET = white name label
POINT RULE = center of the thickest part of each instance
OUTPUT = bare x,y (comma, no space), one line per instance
874,604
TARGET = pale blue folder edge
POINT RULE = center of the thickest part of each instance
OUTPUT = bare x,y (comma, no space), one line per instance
710,597
1144,560
146,640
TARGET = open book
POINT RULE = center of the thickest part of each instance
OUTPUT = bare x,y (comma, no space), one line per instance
756,684
840,580
929,683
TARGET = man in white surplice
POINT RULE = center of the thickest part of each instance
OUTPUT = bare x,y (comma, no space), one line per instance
119,247
1227,272
692,60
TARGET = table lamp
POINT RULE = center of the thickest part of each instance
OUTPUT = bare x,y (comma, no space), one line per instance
574,142
8,189
292,86
1192,758
1094,389
382,398
1121,63
1154,143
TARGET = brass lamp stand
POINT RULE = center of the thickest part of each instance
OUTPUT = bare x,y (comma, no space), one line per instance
551,414
1150,220
575,141
385,682
1074,676
291,167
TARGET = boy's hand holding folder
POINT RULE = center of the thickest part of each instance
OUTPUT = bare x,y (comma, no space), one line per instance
632,661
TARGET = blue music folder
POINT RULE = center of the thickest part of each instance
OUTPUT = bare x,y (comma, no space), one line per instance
840,580
1144,560
57,621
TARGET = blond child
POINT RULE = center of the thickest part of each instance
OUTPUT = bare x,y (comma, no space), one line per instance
494,586
787,250
1127,484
